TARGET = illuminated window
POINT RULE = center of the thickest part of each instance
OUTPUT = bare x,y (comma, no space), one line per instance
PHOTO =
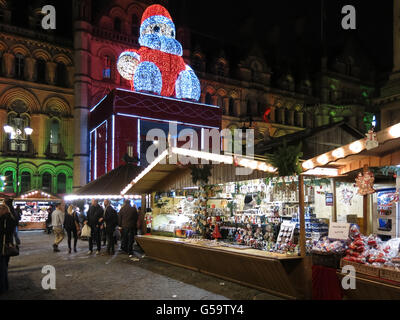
25,182
9,183
61,183
46,182
19,66
107,68
117,24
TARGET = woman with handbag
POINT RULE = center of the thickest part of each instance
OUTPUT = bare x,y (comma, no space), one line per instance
71,225
7,228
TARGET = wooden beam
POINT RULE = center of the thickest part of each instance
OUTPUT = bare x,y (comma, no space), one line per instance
302,217
334,208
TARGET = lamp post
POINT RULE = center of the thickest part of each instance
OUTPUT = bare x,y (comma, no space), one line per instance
16,134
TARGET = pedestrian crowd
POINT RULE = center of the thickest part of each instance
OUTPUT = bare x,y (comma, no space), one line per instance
101,224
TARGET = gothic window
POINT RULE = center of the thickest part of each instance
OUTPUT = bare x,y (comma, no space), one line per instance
61,183
248,108
208,98
19,66
107,68
135,25
46,182
18,140
231,106
117,24
54,136
61,74
221,69
41,70
9,182
25,182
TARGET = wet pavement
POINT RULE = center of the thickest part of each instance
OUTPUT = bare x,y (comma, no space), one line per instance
89,277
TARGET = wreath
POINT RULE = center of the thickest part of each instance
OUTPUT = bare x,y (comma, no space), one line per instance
201,174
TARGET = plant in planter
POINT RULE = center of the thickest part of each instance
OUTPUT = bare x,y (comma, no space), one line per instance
287,160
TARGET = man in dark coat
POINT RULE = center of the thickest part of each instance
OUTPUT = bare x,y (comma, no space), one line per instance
128,217
94,220
110,224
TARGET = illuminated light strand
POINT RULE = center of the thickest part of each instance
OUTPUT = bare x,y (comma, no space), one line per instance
148,78
356,147
323,159
323,172
127,64
308,165
99,197
203,155
188,85
338,153
395,131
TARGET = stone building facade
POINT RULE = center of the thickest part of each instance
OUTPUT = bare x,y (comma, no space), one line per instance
36,83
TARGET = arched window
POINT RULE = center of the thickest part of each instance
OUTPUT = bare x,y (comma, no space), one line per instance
19,123
61,183
54,136
61,74
231,106
107,67
248,108
25,182
208,98
46,182
19,66
135,25
117,24
9,182
41,70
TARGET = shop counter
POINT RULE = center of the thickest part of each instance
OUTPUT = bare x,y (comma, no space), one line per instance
278,274
372,288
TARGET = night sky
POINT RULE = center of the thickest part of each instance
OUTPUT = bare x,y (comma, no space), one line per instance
254,21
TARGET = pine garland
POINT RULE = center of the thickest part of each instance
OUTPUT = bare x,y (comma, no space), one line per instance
287,160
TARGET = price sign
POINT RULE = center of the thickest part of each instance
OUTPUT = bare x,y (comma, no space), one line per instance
339,230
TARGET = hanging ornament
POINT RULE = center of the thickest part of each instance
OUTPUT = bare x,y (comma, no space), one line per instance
372,140
365,183
347,196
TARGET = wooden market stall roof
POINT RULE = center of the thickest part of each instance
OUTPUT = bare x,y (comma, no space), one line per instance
163,173
37,195
109,185
356,155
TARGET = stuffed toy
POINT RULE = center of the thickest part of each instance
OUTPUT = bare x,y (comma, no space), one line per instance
158,67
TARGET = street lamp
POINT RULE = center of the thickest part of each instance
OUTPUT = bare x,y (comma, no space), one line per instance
16,135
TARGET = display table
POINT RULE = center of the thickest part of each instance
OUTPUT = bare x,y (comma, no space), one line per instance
281,275
372,288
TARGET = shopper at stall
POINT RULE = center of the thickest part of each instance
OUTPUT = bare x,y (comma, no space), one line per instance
57,219
128,217
94,220
9,202
71,225
7,228
110,224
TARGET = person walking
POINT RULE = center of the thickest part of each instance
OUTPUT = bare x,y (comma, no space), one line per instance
128,217
110,224
48,220
71,225
7,229
58,216
17,214
94,220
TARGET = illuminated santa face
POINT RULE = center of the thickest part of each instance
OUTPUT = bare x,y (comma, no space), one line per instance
158,32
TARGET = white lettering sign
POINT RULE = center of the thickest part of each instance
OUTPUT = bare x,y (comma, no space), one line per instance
339,230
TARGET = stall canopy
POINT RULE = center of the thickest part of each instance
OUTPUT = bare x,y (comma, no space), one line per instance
167,168
37,195
377,150
108,186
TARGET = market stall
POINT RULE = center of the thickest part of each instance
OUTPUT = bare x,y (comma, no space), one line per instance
236,227
372,249
34,205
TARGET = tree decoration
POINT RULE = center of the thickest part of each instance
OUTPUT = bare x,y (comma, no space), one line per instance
347,196
372,140
158,67
287,160
365,183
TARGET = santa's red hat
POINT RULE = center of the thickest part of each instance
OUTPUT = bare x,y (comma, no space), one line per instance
156,10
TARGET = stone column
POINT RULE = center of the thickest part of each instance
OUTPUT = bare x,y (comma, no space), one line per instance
29,71
214,100
290,119
203,98
225,103
8,64
272,115
82,84
281,115
300,119
51,72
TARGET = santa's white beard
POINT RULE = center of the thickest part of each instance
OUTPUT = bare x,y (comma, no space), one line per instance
162,43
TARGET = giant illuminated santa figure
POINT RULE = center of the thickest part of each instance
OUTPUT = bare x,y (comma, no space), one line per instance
158,67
